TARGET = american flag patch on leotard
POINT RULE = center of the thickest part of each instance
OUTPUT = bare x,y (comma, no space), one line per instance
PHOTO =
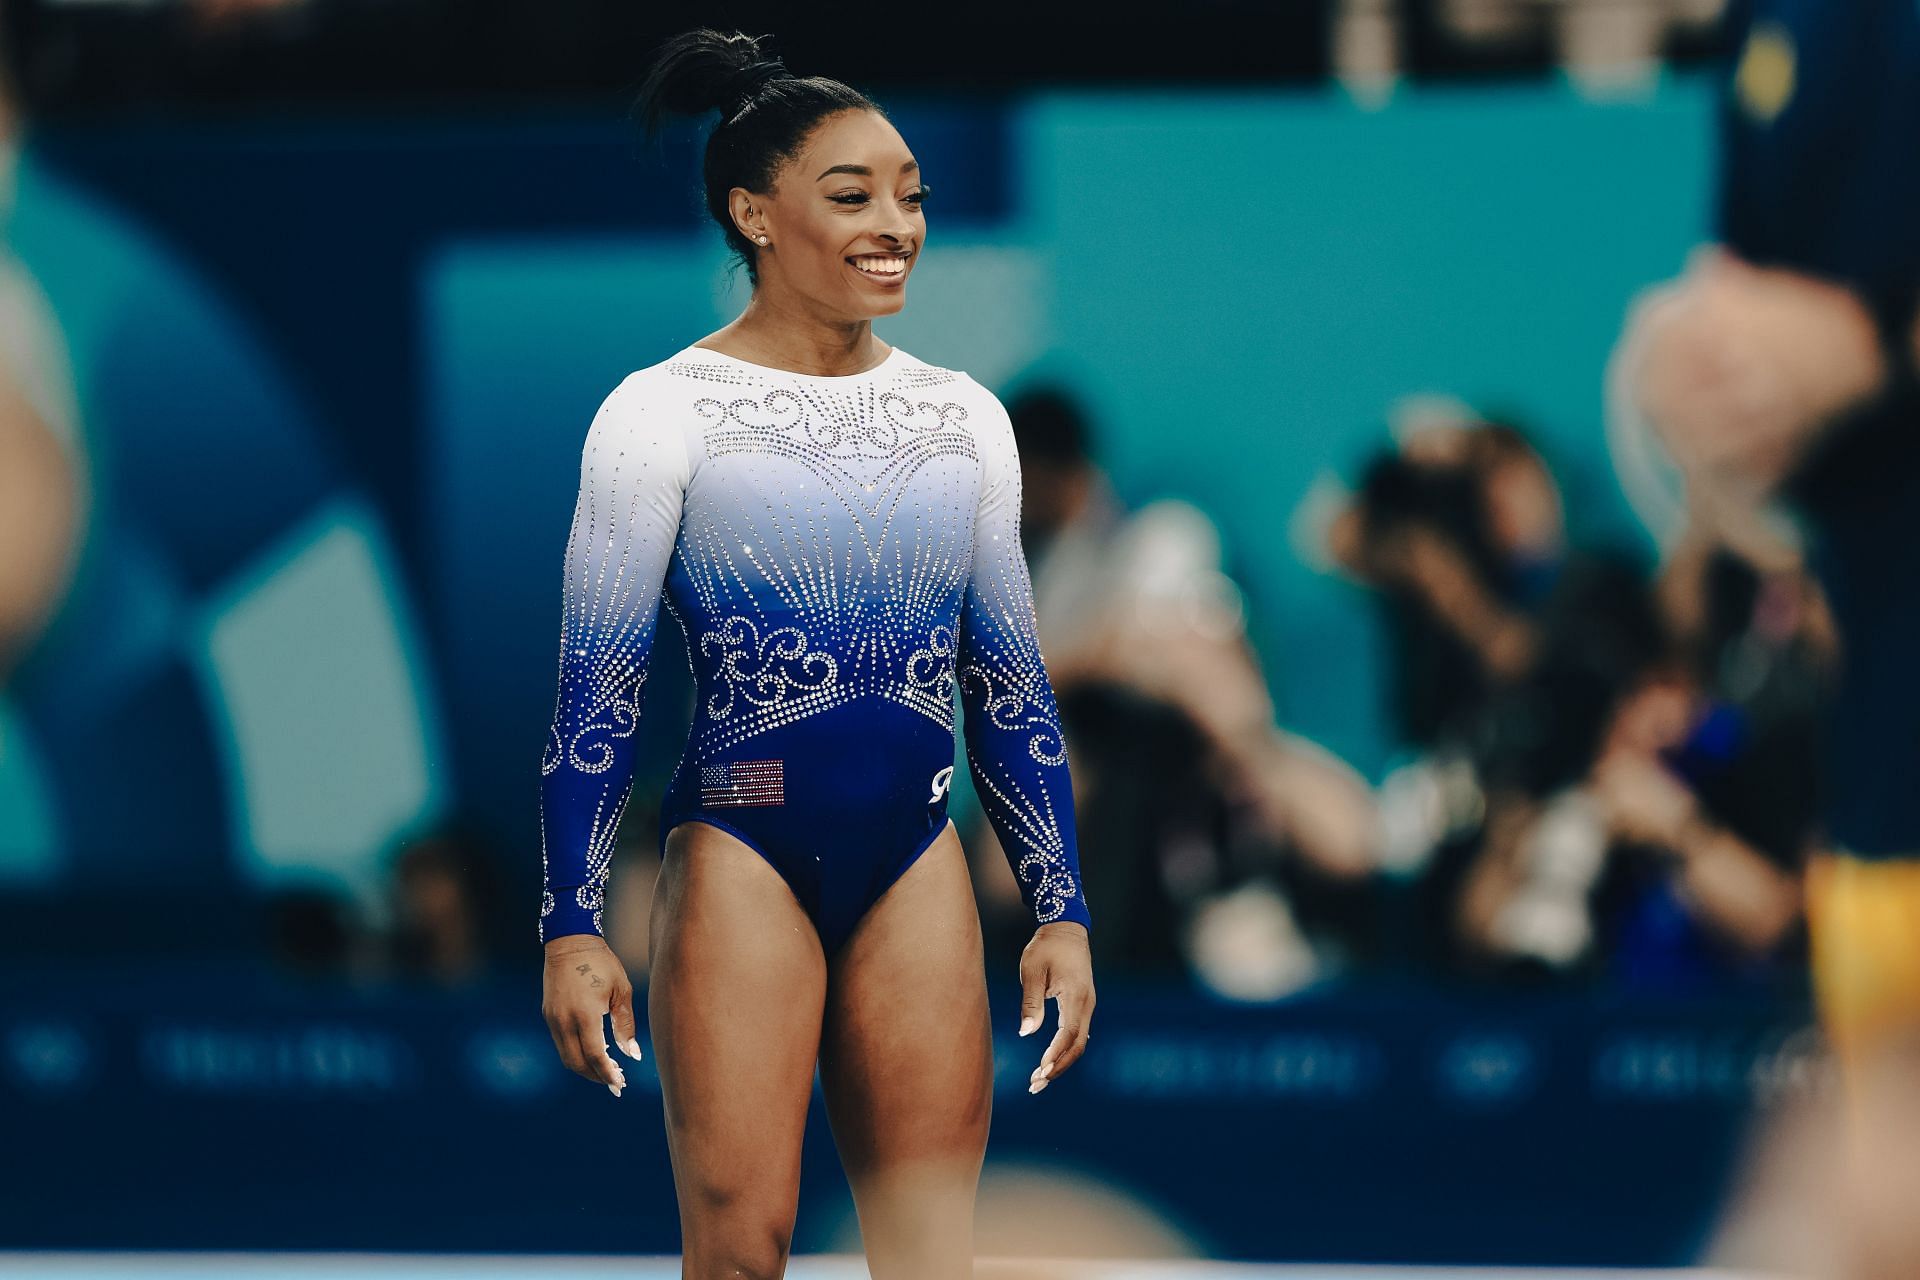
743,782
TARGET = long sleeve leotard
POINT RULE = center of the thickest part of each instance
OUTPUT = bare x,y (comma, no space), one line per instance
841,552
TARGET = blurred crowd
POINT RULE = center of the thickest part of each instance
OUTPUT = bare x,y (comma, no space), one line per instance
1610,769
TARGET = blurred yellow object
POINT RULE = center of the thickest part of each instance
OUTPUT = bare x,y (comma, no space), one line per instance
1863,921
1766,76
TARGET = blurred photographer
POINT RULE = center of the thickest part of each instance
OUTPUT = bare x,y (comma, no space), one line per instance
1232,850
1677,858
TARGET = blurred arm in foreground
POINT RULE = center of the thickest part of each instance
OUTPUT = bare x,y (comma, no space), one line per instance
42,479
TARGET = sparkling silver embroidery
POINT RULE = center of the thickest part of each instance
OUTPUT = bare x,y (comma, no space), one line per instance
763,671
1029,822
1018,707
616,718
929,678
854,549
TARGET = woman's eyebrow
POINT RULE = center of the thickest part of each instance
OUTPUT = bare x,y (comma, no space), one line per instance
865,172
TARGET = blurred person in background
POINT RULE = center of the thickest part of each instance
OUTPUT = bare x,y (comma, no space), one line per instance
1784,369
174,644
1508,650
1232,851
1464,560
447,908
836,526
1676,859
314,933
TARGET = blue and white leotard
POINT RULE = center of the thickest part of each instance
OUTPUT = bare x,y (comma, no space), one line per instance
839,551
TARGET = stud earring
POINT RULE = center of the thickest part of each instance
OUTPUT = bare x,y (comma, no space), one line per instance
763,239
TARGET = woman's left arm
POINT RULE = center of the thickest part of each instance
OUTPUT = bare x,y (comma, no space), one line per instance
1017,754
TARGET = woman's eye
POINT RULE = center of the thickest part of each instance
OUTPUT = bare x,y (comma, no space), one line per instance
915,198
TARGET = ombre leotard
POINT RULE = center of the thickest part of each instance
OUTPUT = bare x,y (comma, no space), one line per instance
840,551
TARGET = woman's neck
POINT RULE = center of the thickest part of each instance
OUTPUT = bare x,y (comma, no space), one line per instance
788,338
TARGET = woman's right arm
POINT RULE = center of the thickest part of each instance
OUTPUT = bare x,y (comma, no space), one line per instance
633,477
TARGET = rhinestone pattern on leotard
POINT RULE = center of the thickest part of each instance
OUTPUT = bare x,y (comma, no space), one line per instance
822,541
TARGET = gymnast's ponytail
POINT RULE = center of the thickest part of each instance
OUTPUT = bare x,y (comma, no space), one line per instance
766,114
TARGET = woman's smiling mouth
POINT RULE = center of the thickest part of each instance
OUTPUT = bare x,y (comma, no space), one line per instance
880,267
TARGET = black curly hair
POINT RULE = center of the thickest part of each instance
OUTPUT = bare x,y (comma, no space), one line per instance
766,114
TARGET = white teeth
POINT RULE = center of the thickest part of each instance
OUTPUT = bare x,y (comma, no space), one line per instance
881,266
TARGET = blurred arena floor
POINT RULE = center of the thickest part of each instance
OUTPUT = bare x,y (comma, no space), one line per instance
367,1266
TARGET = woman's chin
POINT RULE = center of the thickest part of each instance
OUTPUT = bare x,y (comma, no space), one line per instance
872,308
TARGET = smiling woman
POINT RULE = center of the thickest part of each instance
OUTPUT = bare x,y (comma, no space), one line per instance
766,116
834,524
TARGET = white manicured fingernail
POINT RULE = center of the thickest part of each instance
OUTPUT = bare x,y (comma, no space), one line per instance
632,1048
614,1089
1037,1086
1027,1024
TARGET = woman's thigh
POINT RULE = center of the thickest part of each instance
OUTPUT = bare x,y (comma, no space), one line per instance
734,1003
906,1061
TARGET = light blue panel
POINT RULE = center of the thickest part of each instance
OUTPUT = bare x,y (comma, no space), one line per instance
29,842
1246,281
313,663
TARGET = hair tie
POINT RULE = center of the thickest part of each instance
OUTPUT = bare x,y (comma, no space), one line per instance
743,84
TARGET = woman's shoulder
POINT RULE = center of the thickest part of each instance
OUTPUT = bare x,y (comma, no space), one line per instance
643,408
927,374
978,396
675,373
673,382
914,374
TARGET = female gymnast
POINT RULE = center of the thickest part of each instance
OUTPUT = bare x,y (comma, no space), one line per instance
835,526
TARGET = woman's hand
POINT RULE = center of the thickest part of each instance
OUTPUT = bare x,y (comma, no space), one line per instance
584,982
1057,964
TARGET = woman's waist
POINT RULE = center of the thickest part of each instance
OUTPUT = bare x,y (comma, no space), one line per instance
860,751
